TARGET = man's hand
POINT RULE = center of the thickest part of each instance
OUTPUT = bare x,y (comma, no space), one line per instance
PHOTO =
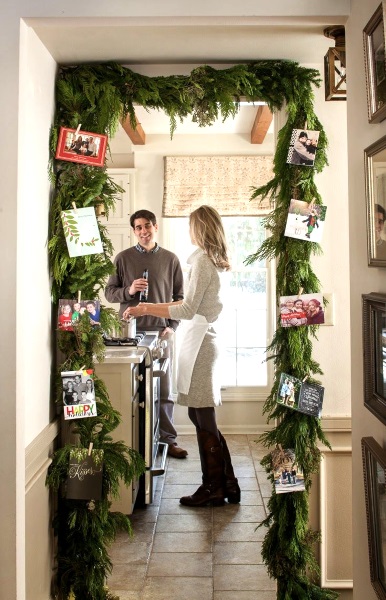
138,285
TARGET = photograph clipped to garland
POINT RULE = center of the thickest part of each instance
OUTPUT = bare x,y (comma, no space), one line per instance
287,474
299,395
78,394
85,471
70,311
81,231
305,221
81,147
302,309
302,148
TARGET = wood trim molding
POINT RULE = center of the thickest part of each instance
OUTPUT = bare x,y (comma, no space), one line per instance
37,453
261,125
137,135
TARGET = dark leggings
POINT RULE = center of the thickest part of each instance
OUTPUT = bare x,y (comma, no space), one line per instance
204,418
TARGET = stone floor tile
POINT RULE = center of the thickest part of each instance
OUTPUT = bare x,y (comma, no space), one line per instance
248,484
185,523
196,564
170,588
191,463
238,532
251,498
239,513
121,553
176,491
127,577
237,553
183,542
242,578
184,477
147,514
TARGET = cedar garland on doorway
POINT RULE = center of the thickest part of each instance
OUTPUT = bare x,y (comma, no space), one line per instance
99,97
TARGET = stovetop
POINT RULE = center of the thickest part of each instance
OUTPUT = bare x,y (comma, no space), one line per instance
123,341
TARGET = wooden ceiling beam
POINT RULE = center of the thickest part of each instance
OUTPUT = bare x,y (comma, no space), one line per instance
137,135
261,125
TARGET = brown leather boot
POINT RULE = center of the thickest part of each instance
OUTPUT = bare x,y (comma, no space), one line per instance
211,490
232,490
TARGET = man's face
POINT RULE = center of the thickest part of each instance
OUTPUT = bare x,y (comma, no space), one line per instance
303,139
90,308
145,231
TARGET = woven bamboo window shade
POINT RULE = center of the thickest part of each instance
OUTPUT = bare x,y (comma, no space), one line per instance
224,182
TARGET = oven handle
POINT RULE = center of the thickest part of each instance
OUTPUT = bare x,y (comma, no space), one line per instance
163,367
155,472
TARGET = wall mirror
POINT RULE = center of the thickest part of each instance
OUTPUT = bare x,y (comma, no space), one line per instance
374,353
375,176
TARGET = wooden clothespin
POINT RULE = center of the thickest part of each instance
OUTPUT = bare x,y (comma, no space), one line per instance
82,368
306,377
300,291
77,129
79,296
90,448
74,206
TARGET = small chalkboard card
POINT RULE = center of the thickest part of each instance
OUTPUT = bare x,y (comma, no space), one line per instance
85,470
299,395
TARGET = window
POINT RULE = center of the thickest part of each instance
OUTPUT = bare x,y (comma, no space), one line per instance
245,326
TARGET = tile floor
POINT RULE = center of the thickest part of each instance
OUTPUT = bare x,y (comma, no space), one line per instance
182,553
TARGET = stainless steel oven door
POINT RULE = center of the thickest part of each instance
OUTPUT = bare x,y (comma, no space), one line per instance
155,451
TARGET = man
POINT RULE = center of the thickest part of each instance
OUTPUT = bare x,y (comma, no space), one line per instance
379,222
164,284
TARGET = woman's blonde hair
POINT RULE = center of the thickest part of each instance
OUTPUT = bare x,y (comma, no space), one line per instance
208,233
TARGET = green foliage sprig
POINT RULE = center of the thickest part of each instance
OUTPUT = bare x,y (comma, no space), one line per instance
99,96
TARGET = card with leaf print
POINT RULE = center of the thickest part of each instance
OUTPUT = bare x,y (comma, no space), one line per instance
81,231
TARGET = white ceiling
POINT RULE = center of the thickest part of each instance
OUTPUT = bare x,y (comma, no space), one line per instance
175,46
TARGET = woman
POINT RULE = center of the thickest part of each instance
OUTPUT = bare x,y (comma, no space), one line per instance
315,314
68,395
90,396
197,383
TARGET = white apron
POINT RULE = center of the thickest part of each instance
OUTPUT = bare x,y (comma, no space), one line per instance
193,334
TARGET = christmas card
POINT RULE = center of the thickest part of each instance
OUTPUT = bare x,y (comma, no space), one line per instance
299,395
305,221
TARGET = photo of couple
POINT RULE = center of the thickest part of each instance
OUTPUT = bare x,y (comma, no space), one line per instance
302,149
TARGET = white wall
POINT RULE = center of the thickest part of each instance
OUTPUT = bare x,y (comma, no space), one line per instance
363,279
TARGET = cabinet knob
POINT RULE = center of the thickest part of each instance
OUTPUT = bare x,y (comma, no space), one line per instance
139,377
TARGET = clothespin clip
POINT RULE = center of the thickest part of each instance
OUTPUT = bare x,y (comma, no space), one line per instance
300,291
74,206
79,296
77,129
82,369
306,377
90,448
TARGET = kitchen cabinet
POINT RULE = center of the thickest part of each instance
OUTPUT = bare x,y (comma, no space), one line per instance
122,379
118,223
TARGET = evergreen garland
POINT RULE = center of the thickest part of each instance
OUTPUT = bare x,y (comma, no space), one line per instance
99,96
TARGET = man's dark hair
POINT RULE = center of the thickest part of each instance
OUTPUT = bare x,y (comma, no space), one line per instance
379,209
143,214
303,134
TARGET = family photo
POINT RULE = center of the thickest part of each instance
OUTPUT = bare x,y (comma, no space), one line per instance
304,309
81,146
70,311
288,476
78,387
299,395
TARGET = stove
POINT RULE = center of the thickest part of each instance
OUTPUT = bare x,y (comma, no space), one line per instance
124,341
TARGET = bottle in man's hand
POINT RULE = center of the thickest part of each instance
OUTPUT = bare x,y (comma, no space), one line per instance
144,293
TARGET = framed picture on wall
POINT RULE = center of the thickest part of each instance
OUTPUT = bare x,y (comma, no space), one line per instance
375,66
374,468
375,178
374,353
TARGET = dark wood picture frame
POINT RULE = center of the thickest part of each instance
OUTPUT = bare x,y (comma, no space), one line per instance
374,469
375,180
374,353
375,66
66,149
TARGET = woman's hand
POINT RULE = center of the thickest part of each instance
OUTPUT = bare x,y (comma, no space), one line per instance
135,311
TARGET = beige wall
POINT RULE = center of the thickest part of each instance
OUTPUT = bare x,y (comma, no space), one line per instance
363,279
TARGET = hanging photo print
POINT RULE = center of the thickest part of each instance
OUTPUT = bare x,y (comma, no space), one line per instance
81,231
302,149
299,395
84,479
81,147
78,394
303,309
70,311
288,476
305,221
